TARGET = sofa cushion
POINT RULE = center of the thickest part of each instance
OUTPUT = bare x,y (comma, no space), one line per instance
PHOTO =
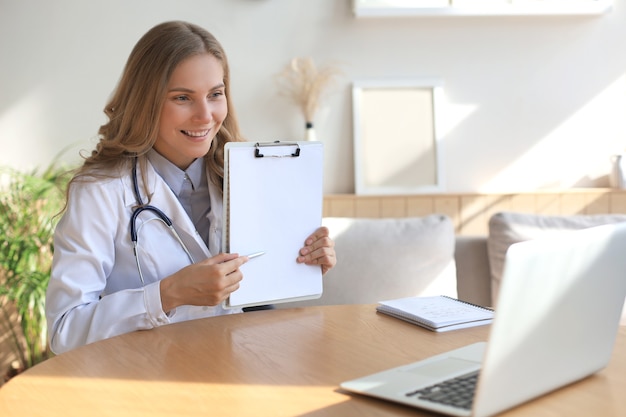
379,259
506,228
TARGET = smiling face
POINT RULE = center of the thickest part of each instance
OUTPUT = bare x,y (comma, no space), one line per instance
195,107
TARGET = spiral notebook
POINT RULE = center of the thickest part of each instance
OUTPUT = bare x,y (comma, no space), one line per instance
437,313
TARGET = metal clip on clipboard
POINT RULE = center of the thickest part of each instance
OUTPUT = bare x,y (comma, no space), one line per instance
258,145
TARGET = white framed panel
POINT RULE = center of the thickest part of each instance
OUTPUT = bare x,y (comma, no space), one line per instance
402,8
396,136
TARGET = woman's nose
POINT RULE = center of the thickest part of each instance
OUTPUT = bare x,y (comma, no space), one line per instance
203,111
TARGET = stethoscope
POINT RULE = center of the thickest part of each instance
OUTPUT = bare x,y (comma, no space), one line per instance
162,217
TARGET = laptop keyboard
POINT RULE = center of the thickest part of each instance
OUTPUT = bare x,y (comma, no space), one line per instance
457,392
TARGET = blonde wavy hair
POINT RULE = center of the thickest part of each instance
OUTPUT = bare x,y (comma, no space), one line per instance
134,109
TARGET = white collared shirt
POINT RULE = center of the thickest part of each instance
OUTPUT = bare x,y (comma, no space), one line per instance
191,187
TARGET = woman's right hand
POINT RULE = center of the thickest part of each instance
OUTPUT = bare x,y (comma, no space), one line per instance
205,283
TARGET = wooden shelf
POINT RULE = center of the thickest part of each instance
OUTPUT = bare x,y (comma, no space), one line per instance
471,212
368,8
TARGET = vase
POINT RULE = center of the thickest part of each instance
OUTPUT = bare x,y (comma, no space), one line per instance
617,176
309,132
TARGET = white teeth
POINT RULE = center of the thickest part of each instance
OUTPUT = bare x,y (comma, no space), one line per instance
196,134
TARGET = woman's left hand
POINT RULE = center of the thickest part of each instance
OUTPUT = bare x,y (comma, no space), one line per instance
319,249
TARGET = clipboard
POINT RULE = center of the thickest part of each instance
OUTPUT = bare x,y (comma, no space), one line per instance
273,200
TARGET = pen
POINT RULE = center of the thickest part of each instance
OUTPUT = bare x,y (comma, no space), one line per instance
255,254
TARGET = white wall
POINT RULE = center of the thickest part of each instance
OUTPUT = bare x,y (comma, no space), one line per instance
531,102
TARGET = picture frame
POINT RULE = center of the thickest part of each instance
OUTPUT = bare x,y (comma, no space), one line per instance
397,146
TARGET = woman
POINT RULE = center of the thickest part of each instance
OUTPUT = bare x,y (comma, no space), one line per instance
117,267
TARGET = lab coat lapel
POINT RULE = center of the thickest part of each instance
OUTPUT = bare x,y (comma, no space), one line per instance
164,199
215,219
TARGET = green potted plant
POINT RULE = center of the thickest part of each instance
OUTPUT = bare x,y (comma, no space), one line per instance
29,204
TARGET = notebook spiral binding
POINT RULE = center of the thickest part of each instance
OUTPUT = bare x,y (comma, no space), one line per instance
468,303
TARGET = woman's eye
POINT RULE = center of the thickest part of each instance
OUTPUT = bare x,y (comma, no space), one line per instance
181,98
216,94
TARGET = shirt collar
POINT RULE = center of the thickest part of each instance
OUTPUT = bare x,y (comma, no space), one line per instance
173,176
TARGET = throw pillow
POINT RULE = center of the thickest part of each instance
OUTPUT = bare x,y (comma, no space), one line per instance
506,228
380,259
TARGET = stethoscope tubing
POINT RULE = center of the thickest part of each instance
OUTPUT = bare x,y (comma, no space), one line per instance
161,216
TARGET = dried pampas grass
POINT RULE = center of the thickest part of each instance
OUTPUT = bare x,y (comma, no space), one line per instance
304,83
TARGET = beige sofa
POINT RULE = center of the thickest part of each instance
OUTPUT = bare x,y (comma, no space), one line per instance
381,259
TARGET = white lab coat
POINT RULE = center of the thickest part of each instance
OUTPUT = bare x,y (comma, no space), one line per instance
95,291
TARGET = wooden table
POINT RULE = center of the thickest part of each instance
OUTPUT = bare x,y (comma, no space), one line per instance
267,363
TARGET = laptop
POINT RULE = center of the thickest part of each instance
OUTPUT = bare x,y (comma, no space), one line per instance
556,322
